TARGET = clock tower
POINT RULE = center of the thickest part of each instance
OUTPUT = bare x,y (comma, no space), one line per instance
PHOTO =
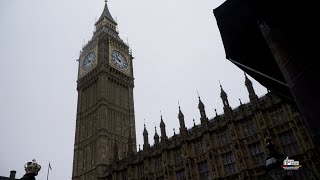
105,110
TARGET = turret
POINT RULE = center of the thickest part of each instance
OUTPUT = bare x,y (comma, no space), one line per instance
145,138
156,137
203,117
201,109
181,121
252,95
226,107
164,136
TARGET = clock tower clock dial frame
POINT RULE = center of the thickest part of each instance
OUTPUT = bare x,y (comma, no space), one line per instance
88,61
120,59
105,108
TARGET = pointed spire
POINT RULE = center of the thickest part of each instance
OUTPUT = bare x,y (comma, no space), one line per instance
194,123
156,136
226,107
252,95
222,94
181,121
174,131
163,130
180,115
145,132
240,102
139,148
216,112
224,97
145,138
200,105
161,121
106,14
247,80
180,112
201,109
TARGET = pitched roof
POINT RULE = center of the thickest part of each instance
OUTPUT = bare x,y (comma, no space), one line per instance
106,13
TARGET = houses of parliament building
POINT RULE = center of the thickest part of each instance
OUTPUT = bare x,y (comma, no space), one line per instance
228,146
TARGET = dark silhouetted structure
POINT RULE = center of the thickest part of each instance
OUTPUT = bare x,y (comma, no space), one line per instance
276,43
229,146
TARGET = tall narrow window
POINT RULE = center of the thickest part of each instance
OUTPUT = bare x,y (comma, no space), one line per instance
278,118
204,171
124,175
223,138
158,163
199,147
141,170
249,128
289,143
181,175
229,163
177,156
257,154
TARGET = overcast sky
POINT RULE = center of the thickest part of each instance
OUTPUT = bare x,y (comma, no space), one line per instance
177,48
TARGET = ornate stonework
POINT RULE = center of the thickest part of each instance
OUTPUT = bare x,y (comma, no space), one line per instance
224,147
105,113
228,146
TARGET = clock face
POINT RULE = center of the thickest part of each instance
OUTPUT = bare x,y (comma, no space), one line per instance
119,60
88,60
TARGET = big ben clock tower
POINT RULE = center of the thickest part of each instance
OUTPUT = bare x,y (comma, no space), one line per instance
105,110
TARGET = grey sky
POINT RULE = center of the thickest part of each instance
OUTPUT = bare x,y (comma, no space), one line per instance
177,49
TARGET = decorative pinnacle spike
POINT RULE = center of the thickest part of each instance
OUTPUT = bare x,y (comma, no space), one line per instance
198,94
161,116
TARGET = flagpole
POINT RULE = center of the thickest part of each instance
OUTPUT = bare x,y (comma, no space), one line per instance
48,171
